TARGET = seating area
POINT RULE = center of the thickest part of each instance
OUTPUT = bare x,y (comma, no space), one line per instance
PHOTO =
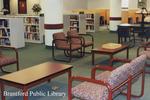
111,82
82,67
74,50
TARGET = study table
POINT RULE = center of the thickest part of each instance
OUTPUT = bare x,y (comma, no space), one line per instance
32,76
109,52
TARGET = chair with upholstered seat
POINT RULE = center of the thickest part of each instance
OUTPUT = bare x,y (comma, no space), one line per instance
145,49
85,43
8,60
110,83
61,42
125,35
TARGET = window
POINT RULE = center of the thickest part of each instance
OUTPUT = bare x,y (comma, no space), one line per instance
124,3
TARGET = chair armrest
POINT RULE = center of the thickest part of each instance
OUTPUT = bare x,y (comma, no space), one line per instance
89,35
12,48
143,46
82,40
100,67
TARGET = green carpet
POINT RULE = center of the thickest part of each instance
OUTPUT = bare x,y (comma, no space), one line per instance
33,54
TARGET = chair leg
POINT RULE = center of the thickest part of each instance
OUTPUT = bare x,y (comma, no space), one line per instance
17,66
4,70
70,57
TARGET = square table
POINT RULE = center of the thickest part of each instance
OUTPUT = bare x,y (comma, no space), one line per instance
29,77
109,52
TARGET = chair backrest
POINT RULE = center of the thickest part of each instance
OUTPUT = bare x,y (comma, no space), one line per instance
137,64
147,32
61,36
73,33
123,31
130,20
119,75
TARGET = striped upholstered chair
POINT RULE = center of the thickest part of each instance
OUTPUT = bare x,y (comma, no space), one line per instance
7,59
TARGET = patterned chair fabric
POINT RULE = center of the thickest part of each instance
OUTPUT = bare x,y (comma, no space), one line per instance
147,53
137,64
91,91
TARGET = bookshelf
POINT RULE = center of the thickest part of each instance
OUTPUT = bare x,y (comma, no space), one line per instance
74,22
11,32
34,29
92,22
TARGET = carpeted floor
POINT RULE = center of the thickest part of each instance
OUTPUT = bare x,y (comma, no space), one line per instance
34,54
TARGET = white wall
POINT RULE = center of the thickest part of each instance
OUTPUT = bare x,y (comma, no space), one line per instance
1,4
148,5
133,4
14,6
74,4
98,4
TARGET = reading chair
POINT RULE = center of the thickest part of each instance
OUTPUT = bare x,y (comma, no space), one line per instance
7,59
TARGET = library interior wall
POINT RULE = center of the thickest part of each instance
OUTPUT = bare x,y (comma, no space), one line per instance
70,5
30,3
92,4
1,4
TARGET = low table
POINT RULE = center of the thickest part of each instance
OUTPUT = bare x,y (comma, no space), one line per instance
109,52
29,77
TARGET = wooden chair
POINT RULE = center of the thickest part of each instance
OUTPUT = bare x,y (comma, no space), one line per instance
61,42
124,33
85,43
145,49
8,60
111,82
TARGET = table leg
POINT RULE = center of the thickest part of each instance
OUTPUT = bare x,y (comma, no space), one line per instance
111,60
25,91
69,85
93,58
2,91
127,52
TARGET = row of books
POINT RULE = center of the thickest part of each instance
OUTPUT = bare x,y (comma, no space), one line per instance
74,17
89,27
89,15
4,23
4,32
75,24
32,28
32,36
4,41
32,20
90,22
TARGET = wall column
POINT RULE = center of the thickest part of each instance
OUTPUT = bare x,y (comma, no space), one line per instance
53,22
115,14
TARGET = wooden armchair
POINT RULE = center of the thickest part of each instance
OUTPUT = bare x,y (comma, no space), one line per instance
111,82
61,42
6,59
85,43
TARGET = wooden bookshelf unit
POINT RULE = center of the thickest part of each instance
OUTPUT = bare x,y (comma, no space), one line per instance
11,32
74,22
34,29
